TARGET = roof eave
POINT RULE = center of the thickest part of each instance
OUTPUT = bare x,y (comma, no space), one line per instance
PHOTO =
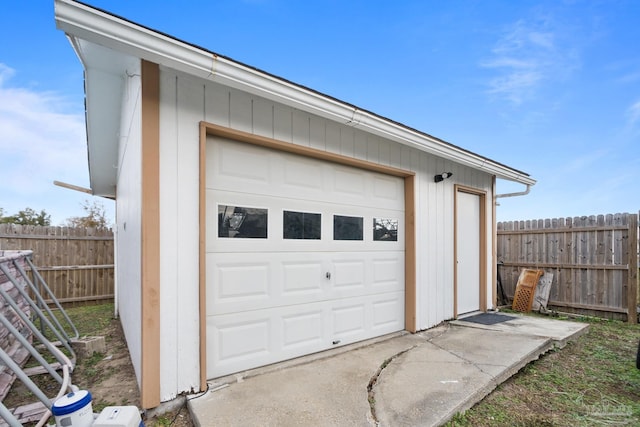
102,28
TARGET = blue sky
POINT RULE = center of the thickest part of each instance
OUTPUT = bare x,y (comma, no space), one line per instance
548,87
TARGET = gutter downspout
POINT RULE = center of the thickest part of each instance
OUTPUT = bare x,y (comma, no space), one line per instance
520,193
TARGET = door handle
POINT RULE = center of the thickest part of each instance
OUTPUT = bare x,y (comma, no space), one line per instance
328,275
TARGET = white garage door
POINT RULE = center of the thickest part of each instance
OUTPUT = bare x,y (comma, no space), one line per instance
302,255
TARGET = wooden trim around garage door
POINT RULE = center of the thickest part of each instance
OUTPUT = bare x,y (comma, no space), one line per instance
150,236
207,129
410,321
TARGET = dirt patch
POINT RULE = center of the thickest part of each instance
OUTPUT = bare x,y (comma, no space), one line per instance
109,376
112,380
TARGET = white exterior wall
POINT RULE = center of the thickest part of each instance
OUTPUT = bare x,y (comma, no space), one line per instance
180,114
185,101
128,214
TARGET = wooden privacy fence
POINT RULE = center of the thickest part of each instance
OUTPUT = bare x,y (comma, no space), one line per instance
76,263
594,261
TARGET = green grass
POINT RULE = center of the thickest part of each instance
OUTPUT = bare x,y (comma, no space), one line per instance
88,320
89,366
163,420
592,381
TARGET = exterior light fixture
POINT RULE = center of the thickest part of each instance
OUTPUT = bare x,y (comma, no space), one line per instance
442,176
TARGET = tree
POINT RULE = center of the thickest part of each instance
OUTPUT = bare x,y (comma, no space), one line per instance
96,216
27,216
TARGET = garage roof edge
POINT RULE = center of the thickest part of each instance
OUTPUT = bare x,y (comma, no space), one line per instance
103,28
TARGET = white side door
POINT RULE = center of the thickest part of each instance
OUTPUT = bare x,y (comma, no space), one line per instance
467,252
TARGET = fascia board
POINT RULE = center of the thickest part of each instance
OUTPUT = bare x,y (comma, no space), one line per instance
101,28
109,31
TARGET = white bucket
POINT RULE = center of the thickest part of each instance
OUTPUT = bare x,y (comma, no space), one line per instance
73,410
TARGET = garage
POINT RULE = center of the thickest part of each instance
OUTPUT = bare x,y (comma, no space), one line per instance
302,255
259,220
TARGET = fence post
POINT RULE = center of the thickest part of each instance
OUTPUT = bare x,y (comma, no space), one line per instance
632,286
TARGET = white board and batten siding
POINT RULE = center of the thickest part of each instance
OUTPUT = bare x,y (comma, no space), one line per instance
128,212
180,114
185,102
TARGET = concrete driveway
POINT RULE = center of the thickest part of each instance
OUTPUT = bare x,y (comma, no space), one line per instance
398,380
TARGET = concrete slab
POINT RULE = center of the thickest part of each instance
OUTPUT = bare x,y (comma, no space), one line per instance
431,383
421,379
557,330
330,391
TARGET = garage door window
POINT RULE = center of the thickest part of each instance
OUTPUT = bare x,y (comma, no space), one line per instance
242,222
301,225
385,230
347,227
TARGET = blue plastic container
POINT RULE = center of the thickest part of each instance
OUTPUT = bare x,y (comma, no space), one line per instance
73,410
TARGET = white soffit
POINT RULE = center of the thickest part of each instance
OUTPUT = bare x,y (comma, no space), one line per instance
84,22
105,71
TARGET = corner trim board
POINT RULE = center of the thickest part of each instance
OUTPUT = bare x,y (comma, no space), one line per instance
202,256
150,236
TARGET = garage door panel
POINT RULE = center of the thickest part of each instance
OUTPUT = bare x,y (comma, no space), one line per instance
349,321
267,280
299,180
349,274
236,163
388,272
303,277
385,312
388,189
303,330
242,281
277,334
349,183
302,175
290,279
255,342
367,273
312,187
284,284
275,211
239,341
245,168
356,319
358,274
